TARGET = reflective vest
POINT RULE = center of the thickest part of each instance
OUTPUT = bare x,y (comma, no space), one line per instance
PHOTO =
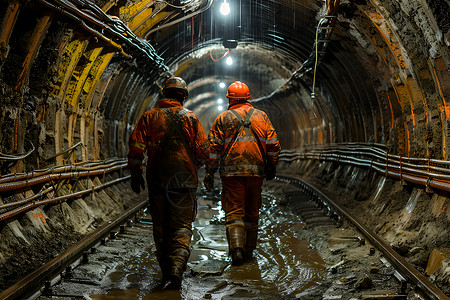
234,148
176,146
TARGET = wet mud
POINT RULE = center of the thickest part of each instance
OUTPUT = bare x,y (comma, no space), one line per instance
293,260
283,265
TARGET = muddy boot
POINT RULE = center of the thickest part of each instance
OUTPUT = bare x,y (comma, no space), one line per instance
164,263
165,269
250,242
178,258
236,241
237,257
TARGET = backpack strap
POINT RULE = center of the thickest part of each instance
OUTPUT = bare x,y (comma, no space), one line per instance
245,123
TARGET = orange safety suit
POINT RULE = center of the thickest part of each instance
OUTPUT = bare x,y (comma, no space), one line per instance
176,146
242,167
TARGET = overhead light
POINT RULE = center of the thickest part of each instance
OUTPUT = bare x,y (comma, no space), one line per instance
225,8
220,107
222,85
229,61
220,101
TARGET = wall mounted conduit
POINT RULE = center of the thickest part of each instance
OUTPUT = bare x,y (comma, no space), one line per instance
61,169
399,170
32,205
42,179
94,15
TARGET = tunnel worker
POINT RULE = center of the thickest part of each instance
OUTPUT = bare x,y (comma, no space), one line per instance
245,146
176,147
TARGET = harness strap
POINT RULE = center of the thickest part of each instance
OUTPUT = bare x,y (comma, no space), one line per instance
247,124
244,123
178,129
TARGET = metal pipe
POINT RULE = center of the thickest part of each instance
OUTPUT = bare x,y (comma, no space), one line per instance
399,172
64,151
32,198
27,183
60,169
411,168
27,207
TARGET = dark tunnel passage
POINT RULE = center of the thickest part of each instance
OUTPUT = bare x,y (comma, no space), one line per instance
338,79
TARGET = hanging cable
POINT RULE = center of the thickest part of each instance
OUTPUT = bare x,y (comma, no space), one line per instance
175,6
207,6
216,60
85,11
313,96
19,156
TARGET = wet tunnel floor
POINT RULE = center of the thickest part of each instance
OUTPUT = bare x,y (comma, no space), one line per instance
283,266
289,262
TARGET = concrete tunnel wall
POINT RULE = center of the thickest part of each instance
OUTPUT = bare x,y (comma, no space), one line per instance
384,79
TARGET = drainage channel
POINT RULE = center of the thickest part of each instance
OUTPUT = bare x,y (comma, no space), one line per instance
405,270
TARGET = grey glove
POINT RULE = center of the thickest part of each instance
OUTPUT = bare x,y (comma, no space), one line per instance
137,182
209,181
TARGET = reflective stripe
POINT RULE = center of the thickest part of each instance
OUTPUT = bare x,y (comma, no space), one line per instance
246,138
215,140
184,111
138,145
228,140
251,224
228,169
183,231
273,153
236,222
214,155
262,139
272,140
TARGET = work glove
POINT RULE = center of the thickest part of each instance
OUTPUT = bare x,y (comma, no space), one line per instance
137,182
271,172
209,181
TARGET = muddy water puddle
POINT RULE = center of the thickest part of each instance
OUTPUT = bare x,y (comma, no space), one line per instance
283,265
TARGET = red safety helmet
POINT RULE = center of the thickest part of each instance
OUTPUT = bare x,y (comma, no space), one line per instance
238,90
177,84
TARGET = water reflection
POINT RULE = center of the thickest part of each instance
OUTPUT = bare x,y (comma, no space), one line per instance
283,265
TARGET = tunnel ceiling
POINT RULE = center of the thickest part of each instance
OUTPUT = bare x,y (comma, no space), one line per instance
77,72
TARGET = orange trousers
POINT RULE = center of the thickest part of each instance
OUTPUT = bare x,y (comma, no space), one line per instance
241,200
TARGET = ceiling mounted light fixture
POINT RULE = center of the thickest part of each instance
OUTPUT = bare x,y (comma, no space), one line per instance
221,85
229,61
225,8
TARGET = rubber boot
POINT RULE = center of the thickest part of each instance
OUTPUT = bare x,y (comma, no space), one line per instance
165,268
250,242
163,260
178,258
236,242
